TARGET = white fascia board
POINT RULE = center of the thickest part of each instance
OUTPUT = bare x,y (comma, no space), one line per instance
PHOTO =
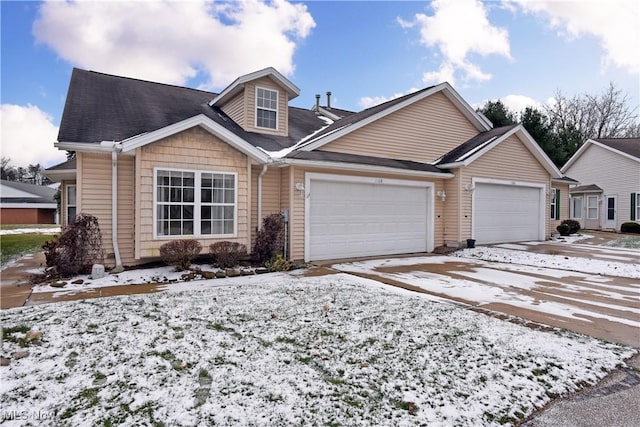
529,142
129,145
238,83
451,94
60,174
28,205
84,147
356,167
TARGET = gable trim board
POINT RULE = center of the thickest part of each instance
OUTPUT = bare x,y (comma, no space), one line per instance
506,209
349,224
467,158
479,122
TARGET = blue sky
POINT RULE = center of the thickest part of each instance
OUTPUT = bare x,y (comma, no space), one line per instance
365,52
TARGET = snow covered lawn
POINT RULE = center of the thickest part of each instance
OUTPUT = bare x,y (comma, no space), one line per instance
280,350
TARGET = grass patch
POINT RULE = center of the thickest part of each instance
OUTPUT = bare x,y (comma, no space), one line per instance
13,246
627,242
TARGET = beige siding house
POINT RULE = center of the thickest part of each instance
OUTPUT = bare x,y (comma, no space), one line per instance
406,176
609,192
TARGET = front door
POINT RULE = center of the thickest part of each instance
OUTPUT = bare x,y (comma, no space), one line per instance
610,212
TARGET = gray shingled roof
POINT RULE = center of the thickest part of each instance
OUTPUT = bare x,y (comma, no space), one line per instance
591,188
68,165
330,156
459,153
630,146
103,107
42,193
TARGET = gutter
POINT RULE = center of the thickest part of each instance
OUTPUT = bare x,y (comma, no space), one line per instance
264,170
116,148
357,167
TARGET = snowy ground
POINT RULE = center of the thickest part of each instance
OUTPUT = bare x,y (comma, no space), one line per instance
47,230
278,349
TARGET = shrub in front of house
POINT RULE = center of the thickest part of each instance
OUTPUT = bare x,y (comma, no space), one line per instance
630,227
574,225
270,239
278,263
180,253
227,254
76,249
564,229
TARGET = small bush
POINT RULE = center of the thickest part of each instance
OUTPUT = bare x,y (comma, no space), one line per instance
227,254
574,225
630,227
78,247
278,263
564,229
270,239
180,253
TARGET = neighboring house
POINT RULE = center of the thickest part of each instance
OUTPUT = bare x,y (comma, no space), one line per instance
408,175
609,173
23,203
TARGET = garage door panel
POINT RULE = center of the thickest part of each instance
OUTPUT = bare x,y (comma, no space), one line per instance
350,219
506,213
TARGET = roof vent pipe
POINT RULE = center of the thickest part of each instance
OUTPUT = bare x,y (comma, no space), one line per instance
317,102
328,100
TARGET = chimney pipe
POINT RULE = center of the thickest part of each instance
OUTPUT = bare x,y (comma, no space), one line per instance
328,100
317,102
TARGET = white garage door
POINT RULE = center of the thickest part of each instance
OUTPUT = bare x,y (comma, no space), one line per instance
507,213
352,219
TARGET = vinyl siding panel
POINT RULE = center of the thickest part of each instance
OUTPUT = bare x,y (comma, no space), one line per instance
297,210
286,193
510,160
193,149
422,132
564,206
235,109
270,196
616,175
96,197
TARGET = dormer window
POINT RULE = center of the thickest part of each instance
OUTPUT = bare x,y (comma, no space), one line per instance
266,108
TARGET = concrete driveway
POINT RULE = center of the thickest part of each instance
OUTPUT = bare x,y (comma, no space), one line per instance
602,306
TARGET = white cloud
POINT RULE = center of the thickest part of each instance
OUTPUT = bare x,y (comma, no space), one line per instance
459,29
615,23
171,41
28,136
517,103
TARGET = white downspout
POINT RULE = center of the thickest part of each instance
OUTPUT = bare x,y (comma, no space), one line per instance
264,170
114,207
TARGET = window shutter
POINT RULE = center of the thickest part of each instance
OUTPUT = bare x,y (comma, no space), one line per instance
633,207
557,204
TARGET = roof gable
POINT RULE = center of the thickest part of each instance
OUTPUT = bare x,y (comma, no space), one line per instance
356,121
238,85
476,147
625,147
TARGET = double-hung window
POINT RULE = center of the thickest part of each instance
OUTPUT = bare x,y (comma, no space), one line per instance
635,206
576,207
266,108
71,197
195,203
555,204
592,207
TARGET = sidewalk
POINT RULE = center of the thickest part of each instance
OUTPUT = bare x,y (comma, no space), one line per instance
15,288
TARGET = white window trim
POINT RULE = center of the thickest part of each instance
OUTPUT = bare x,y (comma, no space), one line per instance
573,212
637,207
197,204
267,109
553,203
66,201
589,207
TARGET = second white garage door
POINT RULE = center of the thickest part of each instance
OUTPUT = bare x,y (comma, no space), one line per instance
365,218
507,213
